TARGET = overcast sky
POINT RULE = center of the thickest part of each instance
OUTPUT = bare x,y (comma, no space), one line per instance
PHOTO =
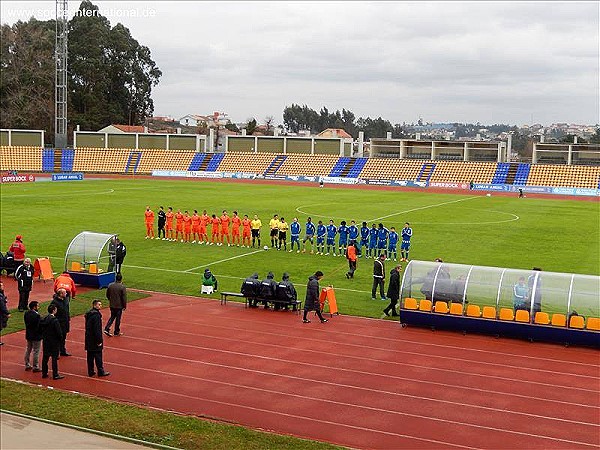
488,62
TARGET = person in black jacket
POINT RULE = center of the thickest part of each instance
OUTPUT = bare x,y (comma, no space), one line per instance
286,292
162,221
33,336
312,297
63,316
52,339
24,277
94,342
393,291
268,289
4,312
379,277
120,252
251,289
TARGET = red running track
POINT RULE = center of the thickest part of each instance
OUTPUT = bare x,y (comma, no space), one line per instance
355,382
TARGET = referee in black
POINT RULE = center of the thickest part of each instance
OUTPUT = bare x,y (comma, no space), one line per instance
162,220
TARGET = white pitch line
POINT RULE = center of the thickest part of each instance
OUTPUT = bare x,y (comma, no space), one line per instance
223,260
424,207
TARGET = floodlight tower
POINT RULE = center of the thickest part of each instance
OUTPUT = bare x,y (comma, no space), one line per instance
60,87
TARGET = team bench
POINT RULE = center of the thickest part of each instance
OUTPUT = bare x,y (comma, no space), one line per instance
284,303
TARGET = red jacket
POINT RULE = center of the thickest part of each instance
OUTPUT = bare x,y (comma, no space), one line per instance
18,250
64,281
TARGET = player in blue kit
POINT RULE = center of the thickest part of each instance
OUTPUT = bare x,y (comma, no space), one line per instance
353,234
331,232
343,241
392,243
295,229
382,237
309,236
405,246
372,249
364,239
321,232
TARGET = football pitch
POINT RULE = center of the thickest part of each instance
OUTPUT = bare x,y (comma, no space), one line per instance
556,235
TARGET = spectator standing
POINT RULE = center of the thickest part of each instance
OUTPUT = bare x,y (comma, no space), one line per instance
162,221
33,336
17,248
120,253
351,256
4,313
52,339
116,293
208,279
393,291
311,302
94,342
378,278
24,277
61,301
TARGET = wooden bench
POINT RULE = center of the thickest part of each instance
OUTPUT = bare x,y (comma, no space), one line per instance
224,296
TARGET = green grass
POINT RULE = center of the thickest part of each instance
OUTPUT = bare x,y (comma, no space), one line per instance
140,423
557,235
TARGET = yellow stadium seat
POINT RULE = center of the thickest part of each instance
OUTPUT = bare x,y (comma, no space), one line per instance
456,309
576,322
559,320
425,305
542,318
93,268
522,316
410,303
474,311
489,312
441,307
75,266
506,314
593,323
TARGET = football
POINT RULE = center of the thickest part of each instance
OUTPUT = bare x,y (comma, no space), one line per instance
489,195
266,247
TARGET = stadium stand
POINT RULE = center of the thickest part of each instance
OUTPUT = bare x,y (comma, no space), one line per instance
564,176
28,159
164,160
463,172
309,165
246,162
391,169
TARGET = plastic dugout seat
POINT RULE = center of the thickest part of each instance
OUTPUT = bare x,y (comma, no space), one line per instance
489,312
507,314
542,318
93,268
75,266
410,303
441,307
425,305
522,316
576,322
559,320
593,323
474,311
456,309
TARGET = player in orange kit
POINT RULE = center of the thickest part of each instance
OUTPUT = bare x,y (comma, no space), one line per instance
195,227
225,219
216,227
235,229
179,225
169,226
149,219
204,220
246,231
187,226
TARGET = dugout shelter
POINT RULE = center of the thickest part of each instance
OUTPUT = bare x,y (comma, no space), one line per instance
528,304
89,259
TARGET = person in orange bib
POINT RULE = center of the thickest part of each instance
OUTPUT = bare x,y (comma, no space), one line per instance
246,223
225,219
64,281
179,226
169,226
204,220
187,226
235,229
195,227
149,219
216,227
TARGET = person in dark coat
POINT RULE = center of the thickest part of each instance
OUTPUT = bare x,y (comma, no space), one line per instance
311,302
120,252
33,336
116,293
251,289
4,313
286,292
162,221
52,339
24,277
393,291
268,289
63,316
94,342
